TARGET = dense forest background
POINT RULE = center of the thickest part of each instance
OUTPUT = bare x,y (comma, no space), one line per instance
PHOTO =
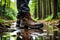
39,9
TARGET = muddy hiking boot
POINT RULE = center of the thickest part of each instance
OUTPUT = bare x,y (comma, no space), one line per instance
28,21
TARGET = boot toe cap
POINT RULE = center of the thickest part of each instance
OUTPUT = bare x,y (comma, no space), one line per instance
40,25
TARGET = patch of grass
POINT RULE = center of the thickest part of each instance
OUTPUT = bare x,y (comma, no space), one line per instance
49,18
1,20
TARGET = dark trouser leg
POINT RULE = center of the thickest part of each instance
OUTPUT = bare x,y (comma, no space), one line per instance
22,7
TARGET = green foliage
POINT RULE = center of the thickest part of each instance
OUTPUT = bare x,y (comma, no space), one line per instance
13,6
1,21
36,19
59,15
31,5
59,5
49,18
50,27
6,36
32,8
36,38
10,13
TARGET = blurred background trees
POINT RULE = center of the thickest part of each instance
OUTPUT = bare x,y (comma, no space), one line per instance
39,9
45,9
8,9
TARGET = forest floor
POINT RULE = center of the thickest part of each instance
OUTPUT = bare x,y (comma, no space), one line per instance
54,22
49,26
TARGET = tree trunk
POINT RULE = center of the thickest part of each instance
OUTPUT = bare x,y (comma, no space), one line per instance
39,16
4,7
35,10
42,10
44,5
50,6
55,3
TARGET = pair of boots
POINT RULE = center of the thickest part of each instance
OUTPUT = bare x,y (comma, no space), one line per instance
28,21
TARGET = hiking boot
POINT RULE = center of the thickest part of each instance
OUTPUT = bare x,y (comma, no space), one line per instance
30,22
